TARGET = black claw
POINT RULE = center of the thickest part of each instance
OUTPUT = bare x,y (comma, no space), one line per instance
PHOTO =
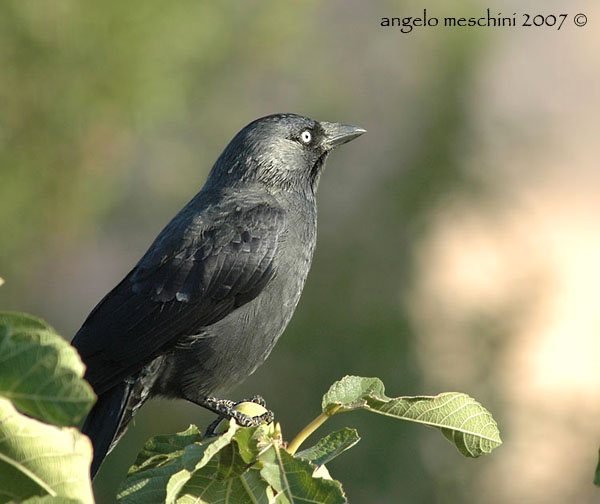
257,399
210,430
267,417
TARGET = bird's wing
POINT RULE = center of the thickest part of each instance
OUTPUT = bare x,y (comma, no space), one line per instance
193,275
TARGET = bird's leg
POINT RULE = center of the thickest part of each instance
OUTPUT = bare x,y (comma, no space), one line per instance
222,407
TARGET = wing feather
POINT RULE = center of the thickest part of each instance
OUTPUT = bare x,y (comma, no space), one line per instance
191,277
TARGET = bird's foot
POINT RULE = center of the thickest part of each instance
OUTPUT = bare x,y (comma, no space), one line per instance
257,399
252,412
247,413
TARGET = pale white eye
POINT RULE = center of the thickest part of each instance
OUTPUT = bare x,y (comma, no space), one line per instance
306,137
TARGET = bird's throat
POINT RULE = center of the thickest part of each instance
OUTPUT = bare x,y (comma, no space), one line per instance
316,170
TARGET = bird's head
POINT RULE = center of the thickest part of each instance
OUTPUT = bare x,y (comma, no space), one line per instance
283,151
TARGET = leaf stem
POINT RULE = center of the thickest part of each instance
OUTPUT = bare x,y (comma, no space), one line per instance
309,429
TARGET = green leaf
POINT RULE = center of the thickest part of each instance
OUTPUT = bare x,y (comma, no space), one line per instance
250,440
160,450
197,455
40,372
159,460
230,476
351,392
597,475
461,419
186,467
293,479
51,500
37,459
330,446
205,487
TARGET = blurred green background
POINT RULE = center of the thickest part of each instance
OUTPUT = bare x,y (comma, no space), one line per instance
458,239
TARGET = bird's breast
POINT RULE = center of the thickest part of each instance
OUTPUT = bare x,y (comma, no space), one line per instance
231,349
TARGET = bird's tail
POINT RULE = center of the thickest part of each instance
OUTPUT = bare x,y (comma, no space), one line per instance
108,420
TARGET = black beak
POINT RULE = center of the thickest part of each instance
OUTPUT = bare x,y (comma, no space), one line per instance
338,134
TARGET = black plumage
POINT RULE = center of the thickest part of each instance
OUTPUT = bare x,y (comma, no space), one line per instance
205,305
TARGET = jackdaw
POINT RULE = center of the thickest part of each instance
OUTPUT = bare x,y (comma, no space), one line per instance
205,305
